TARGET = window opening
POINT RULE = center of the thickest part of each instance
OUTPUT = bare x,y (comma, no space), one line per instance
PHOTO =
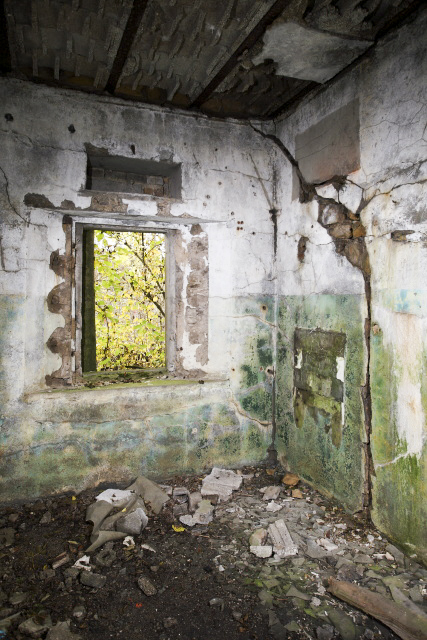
123,300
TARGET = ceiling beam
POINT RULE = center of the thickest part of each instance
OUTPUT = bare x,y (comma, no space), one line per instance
129,33
5,60
274,12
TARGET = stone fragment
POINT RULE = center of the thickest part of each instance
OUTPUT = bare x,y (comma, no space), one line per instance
273,507
133,523
46,518
292,626
327,544
94,580
150,492
180,509
193,501
331,213
271,493
17,598
146,586
203,515
261,551
283,545
293,592
340,230
181,492
105,557
258,538
266,598
82,563
170,622
61,631
7,622
7,536
296,493
79,612
325,633
290,479
221,483
33,628
116,497
217,603
350,195
343,623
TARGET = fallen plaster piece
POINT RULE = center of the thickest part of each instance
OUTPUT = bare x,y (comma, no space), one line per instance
133,522
101,537
327,544
261,551
203,515
129,541
271,493
306,53
273,506
283,545
150,492
83,563
117,497
221,483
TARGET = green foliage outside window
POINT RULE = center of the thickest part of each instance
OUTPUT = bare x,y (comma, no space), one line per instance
129,300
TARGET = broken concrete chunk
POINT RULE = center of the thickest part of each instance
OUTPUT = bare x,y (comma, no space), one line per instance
150,492
94,580
133,523
61,631
180,509
221,483
7,536
273,507
203,515
261,551
83,563
35,629
258,538
146,586
327,544
117,497
5,623
271,493
193,501
283,545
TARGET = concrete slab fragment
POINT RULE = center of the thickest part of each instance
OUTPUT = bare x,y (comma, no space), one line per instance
283,545
221,483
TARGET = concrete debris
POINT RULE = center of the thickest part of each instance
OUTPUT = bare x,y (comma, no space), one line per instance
146,586
273,507
128,542
133,522
194,500
150,492
258,538
327,544
94,580
148,547
7,622
117,497
61,631
83,563
35,629
203,514
271,493
283,545
217,602
261,551
221,483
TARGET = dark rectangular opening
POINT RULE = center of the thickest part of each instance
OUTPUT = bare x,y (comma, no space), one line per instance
132,175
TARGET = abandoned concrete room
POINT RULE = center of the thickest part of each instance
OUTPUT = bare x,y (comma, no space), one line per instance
213,312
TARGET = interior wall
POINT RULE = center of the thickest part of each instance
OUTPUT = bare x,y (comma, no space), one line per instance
362,266
53,439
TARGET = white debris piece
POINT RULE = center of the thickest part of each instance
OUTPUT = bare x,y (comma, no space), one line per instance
203,515
128,542
83,563
283,545
221,483
327,544
273,506
261,551
271,493
117,497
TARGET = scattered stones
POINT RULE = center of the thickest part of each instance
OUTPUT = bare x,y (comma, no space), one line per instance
258,538
146,586
194,500
273,507
203,514
327,544
7,536
94,580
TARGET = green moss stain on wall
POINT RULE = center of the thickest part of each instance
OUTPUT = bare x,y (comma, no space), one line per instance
399,488
325,453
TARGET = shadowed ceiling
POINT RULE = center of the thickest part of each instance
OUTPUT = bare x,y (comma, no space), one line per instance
239,58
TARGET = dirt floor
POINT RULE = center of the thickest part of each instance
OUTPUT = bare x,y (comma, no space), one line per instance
207,583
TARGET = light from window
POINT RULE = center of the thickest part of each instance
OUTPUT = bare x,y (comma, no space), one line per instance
129,300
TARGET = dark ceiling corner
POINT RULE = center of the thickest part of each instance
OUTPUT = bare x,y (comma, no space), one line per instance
131,29
5,62
274,12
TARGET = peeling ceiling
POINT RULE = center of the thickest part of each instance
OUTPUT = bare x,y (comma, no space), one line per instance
238,58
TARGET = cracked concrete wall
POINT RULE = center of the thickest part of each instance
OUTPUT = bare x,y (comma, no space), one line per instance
383,461
51,440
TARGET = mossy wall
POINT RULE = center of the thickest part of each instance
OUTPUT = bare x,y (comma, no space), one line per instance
306,439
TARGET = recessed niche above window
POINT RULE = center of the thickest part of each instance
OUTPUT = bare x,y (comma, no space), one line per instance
114,174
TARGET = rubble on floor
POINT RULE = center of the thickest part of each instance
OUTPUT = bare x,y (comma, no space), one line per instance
252,554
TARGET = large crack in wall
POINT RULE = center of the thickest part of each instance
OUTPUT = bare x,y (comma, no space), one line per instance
348,235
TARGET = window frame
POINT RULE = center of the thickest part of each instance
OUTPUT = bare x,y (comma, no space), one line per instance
79,227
